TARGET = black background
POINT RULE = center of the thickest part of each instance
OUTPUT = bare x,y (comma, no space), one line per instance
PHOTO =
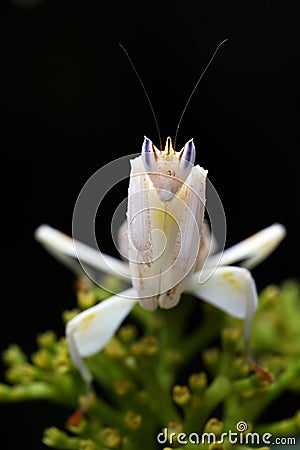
70,103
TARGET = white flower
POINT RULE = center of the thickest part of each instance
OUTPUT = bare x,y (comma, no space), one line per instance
166,243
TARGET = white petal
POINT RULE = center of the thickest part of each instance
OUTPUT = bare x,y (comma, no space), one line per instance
231,289
69,251
91,330
252,250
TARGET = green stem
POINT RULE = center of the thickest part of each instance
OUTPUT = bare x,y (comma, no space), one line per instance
35,391
106,413
199,339
160,401
202,406
286,427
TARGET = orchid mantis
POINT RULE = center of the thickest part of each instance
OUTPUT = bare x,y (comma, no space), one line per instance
165,242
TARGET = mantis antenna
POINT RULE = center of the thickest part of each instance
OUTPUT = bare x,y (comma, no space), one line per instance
194,89
145,92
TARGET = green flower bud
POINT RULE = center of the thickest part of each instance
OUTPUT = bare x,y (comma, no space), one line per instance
61,360
198,382
47,340
241,367
136,349
150,345
216,447
79,427
42,358
53,437
87,444
181,395
231,335
131,363
86,298
115,349
211,357
23,374
123,387
68,315
133,420
111,438
271,292
174,427
62,363
14,355
56,438
214,426
128,334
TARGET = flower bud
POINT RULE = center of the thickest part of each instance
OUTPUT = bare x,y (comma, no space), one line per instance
181,395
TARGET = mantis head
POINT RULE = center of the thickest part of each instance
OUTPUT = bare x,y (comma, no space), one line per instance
168,169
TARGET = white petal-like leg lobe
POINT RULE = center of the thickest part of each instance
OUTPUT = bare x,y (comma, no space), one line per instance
164,236
254,249
69,251
91,330
231,289
60,246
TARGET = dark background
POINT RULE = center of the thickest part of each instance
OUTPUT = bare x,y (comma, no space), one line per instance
70,103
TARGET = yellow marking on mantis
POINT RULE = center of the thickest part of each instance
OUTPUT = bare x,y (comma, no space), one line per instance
84,326
163,219
228,276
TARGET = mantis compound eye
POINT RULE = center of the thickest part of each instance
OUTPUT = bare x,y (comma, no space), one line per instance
187,156
148,155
